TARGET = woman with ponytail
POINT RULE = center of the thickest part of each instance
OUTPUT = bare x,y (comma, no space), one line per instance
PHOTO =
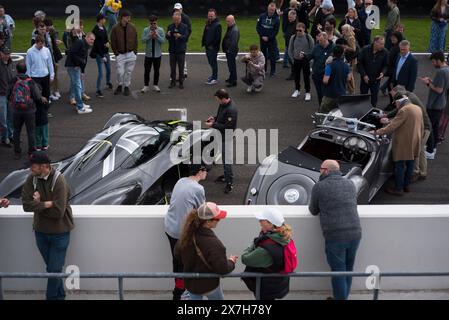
201,251
273,251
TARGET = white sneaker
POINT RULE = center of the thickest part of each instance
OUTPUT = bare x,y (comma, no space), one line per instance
85,106
84,111
57,94
145,89
296,94
156,88
308,96
249,89
258,89
429,156
53,98
211,82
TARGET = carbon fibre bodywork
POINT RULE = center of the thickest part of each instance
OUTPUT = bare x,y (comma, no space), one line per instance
129,162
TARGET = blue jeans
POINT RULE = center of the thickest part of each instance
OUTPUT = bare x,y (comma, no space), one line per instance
53,248
212,59
107,65
403,171
42,136
112,21
76,86
6,127
341,257
232,66
216,294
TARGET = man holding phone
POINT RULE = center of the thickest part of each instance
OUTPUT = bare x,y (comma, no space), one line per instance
7,26
226,119
177,36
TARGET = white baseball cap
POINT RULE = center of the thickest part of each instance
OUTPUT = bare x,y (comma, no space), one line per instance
272,215
177,6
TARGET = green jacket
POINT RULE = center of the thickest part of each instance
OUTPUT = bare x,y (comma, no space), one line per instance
55,220
393,19
259,257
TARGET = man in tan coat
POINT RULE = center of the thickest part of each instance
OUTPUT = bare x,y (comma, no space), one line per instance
407,129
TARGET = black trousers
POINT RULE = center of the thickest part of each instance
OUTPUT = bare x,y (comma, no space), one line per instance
177,266
318,82
227,167
44,83
177,60
29,119
434,116
298,67
149,62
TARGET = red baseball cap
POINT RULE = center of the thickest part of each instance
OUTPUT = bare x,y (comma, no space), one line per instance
210,210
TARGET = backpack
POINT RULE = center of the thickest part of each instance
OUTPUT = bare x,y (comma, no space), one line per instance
21,99
290,255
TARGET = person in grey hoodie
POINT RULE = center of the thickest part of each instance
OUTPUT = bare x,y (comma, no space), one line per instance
301,42
255,69
334,198
187,194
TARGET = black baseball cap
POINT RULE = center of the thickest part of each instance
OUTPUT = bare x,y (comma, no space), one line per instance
39,157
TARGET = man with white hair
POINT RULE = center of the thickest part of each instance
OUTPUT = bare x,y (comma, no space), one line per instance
407,127
334,199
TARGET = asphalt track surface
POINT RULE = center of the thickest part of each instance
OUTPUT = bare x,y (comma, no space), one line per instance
273,108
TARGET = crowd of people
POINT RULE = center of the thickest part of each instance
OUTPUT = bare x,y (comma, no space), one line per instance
319,49
324,52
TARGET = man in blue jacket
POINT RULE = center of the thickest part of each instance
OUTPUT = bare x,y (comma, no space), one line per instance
211,41
177,36
268,27
406,68
320,53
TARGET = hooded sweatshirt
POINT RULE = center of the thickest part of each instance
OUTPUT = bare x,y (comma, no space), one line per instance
258,257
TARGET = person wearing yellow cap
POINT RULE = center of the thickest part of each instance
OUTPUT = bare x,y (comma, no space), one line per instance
200,251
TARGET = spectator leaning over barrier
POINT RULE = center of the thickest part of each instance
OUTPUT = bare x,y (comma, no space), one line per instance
420,167
201,251
437,99
6,76
408,127
75,63
47,194
334,198
255,69
186,20
301,44
153,37
230,46
268,28
272,251
320,53
177,36
211,42
100,52
4,203
23,107
124,45
188,194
